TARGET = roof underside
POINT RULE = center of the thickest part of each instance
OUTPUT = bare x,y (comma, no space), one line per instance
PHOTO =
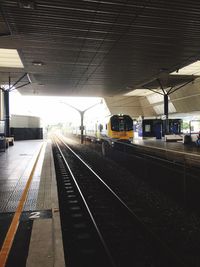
98,48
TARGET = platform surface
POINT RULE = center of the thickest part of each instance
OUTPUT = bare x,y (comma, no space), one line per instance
170,146
174,151
15,164
38,241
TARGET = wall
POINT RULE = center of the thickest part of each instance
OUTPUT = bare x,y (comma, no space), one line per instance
21,121
25,127
184,100
187,99
147,108
124,105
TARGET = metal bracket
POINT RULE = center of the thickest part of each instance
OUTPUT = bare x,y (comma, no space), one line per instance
12,87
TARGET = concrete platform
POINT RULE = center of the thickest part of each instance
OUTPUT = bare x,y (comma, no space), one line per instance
40,219
176,146
173,146
170,150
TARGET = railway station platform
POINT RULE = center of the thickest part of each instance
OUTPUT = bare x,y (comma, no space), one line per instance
173,146
28,168
170,150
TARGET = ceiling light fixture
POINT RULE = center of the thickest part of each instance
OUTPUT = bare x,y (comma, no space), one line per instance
27,4
37,63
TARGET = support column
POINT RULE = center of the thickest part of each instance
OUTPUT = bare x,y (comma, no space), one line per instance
82,127
7,113
1,105
166,113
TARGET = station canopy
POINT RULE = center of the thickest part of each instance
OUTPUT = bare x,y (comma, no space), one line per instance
96,48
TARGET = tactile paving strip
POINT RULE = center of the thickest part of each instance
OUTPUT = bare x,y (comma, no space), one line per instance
10,201
14,170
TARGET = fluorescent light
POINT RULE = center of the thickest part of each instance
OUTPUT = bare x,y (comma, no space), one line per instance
37,63
191,69
139,92
9,58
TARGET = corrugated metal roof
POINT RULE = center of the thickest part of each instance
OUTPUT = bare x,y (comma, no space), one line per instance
92,47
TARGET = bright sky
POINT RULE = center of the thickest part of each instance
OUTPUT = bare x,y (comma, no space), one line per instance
53,110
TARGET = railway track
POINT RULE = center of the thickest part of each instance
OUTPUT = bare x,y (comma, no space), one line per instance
99,229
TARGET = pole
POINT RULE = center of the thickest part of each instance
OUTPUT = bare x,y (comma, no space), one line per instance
82,127
166,113
7,113
82,112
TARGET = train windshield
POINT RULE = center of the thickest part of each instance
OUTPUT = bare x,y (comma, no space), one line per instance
121,123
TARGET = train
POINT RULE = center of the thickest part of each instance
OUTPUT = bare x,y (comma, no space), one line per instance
117,128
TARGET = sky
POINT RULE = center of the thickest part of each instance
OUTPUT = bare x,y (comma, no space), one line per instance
53,110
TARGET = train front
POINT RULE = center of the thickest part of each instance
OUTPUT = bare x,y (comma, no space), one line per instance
120,127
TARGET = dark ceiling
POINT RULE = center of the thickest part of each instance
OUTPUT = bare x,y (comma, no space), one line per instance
98,48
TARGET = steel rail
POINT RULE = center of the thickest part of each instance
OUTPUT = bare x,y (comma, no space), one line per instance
88,209
137,220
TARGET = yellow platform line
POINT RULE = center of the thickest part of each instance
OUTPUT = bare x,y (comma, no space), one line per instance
8,241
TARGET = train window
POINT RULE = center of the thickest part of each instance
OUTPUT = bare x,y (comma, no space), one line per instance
128,123
121,125
124,123
100,127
